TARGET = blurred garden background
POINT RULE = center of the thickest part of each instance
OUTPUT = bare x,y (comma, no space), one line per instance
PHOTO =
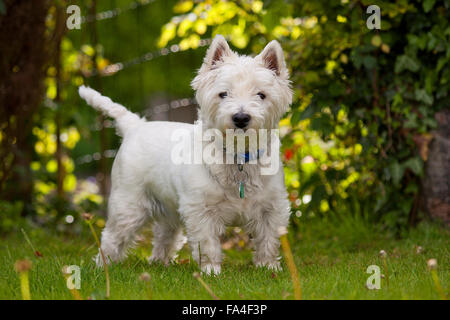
367,138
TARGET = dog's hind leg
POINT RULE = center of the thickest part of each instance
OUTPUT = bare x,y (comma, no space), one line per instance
167,241
125,219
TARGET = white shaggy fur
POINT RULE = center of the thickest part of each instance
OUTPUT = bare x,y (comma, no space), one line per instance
148,186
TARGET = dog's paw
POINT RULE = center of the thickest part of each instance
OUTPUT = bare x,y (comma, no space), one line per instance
158,260
99,260
211,269
273,266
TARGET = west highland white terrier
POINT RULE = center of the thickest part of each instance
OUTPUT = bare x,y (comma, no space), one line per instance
237,93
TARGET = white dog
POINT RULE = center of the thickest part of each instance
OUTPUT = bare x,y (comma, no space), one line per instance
233,92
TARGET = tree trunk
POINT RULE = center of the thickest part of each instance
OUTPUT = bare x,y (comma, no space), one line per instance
22,70
437,171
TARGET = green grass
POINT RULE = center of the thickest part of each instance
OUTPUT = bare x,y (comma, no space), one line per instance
332,256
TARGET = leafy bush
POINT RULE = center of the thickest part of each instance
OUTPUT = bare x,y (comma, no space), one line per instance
11,216
369,97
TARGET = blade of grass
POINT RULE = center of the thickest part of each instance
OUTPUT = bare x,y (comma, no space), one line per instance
22,267
203,283
290,263
27,239
432,265
88,217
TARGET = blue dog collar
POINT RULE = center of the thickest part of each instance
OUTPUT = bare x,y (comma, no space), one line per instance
249,156
246,157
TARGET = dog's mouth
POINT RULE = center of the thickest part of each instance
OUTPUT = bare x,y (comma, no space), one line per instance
238,130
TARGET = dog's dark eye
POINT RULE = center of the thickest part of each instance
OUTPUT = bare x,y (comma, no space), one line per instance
223,95
261,95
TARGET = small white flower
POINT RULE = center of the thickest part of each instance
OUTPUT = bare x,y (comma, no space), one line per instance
432,264
144,277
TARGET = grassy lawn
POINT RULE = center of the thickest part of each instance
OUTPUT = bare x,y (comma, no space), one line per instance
331,255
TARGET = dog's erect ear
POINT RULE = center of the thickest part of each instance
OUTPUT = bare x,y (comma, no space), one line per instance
272,58
217,51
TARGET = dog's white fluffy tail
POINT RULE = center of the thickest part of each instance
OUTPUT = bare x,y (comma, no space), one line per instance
124,118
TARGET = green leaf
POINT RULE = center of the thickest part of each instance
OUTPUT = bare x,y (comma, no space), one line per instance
428,5
369,62
396,171
423,96
441,62
318,194
322,124
405,62
405,205
313,181
412,188
2,7
411,121
336,89
307,113
295,118
430,122
380,202
415,164
356,58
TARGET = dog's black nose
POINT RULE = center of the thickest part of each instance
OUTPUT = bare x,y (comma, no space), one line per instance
241,119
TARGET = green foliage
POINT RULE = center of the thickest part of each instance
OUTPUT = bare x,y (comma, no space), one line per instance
2,7
11,216
377,90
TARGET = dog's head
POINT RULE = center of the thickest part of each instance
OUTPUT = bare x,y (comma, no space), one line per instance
241,92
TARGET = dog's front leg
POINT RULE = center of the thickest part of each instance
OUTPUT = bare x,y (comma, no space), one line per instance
264,229
203,231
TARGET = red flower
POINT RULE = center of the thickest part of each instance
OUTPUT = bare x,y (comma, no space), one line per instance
288,154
